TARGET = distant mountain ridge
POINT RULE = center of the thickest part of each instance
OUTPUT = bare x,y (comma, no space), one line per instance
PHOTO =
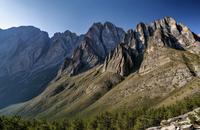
30,60
111,70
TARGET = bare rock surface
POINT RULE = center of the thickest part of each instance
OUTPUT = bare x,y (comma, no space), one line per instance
182,122
97,43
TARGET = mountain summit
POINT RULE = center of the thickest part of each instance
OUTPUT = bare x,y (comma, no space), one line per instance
96,44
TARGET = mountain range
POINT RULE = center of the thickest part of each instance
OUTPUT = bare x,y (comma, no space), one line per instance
30,60
106,69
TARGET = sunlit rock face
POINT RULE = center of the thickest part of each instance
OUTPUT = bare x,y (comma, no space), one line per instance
150,41
121,60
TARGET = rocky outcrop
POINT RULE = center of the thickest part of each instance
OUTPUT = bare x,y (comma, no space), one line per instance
121,60
166,33
173,34
182,122
97,43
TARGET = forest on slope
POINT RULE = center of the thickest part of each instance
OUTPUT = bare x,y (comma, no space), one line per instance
138,119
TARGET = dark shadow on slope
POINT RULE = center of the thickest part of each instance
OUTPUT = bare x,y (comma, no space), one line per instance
17,91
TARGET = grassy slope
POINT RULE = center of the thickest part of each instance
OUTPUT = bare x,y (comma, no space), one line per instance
80,92
138,90
190,89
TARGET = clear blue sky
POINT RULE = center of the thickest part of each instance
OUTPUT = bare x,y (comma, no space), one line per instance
78,15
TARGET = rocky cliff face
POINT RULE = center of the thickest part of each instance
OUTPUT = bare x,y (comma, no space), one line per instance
149,40
20,48
97,43
62,45
122,60
166,34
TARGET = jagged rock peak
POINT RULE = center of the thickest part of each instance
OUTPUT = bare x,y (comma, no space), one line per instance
100,25
104,37
163,22
96,44
171,32
83,58
161,33
63,44
66,33
120,60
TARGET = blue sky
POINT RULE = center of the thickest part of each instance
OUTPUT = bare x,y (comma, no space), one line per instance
78,15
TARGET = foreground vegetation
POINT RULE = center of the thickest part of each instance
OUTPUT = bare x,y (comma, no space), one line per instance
127,120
